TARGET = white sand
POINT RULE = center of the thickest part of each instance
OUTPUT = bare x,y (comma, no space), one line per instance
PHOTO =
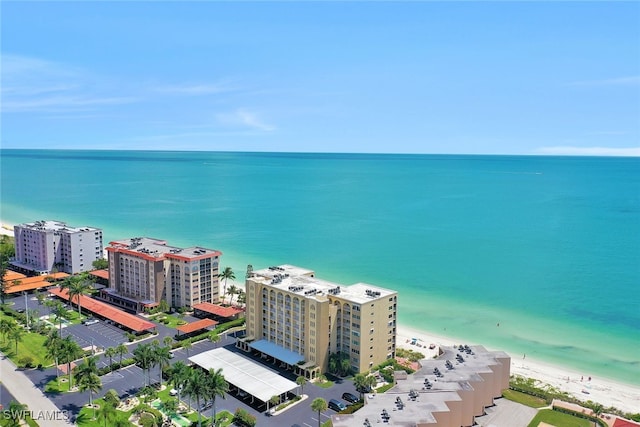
607,392
625,397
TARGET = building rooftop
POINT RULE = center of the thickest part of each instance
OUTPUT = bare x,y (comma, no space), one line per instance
158,249
302,281
51,225
419,397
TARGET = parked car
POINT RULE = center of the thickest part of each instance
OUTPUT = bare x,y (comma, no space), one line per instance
350,397
90,321
337,405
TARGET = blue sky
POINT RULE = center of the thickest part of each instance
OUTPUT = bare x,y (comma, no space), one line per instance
385,77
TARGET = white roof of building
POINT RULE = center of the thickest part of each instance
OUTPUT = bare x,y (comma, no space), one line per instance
244,373
300,280
53,226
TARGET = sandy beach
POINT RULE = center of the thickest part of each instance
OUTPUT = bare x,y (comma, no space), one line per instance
625,397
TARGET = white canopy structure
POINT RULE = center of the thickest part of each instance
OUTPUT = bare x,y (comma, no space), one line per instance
244,373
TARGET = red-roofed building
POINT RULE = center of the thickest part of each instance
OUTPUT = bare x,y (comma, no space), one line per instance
217,311
196,326
37,282
621,422
100,276
102,310
144,271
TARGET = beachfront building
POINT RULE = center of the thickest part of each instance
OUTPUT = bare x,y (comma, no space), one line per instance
448,391
143,271
43,247
299,321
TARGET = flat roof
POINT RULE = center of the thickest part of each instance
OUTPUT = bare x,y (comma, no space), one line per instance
302,282
49,225
276,351
244,373
31,283
218,310
196,326
156,249
107,311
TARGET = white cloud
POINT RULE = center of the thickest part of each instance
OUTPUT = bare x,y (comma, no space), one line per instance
195,89
244,118
617,81
589,151
36,85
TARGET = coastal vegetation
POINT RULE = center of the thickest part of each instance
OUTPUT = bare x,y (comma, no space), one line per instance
556,418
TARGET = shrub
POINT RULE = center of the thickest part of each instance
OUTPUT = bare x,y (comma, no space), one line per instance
26,362
244,418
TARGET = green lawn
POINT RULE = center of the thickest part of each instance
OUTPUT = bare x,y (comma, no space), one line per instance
86,415
169,320
55,386
32,345
525,399
558,419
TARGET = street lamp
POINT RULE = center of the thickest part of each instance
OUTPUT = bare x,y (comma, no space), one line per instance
26,308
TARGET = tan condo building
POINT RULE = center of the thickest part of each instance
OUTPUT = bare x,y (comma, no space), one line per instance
144,271
45,246
298,320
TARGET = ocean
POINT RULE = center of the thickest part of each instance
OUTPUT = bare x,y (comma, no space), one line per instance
546,247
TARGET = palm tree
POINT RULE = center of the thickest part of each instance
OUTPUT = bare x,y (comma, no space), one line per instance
162,357
60,312
197,387
92,384
167,341
145,357
216,386
187,345
107,411
233,290
7,325
121,350
69,351
17,412
214,337
110,352
363,383
87,368
179,377
345,367
53,344
111,398
16,335
319,405
77,286
301,381
226,274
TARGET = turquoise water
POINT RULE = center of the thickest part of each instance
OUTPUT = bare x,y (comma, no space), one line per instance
548,247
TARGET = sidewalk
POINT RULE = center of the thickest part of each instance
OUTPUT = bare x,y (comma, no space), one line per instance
43,411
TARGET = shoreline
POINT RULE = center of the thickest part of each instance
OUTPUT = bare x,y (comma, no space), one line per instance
608,392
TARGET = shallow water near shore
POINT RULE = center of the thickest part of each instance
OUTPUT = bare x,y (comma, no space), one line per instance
532,255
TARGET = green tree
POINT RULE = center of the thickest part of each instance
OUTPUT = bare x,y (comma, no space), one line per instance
144,355
108,413
171,405
179,377
216,386
301,381
233,290
7,325
60,312
214,337
163,306
17,412
198,387
110,352
53,344
69,351
111,398
319,405
187,345
100,264
162,355
16,336
226,274
6,252
242,297
88,367
92,384
77,286
121,350
168,341
363,383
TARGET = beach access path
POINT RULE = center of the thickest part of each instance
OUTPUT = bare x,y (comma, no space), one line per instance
43,409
